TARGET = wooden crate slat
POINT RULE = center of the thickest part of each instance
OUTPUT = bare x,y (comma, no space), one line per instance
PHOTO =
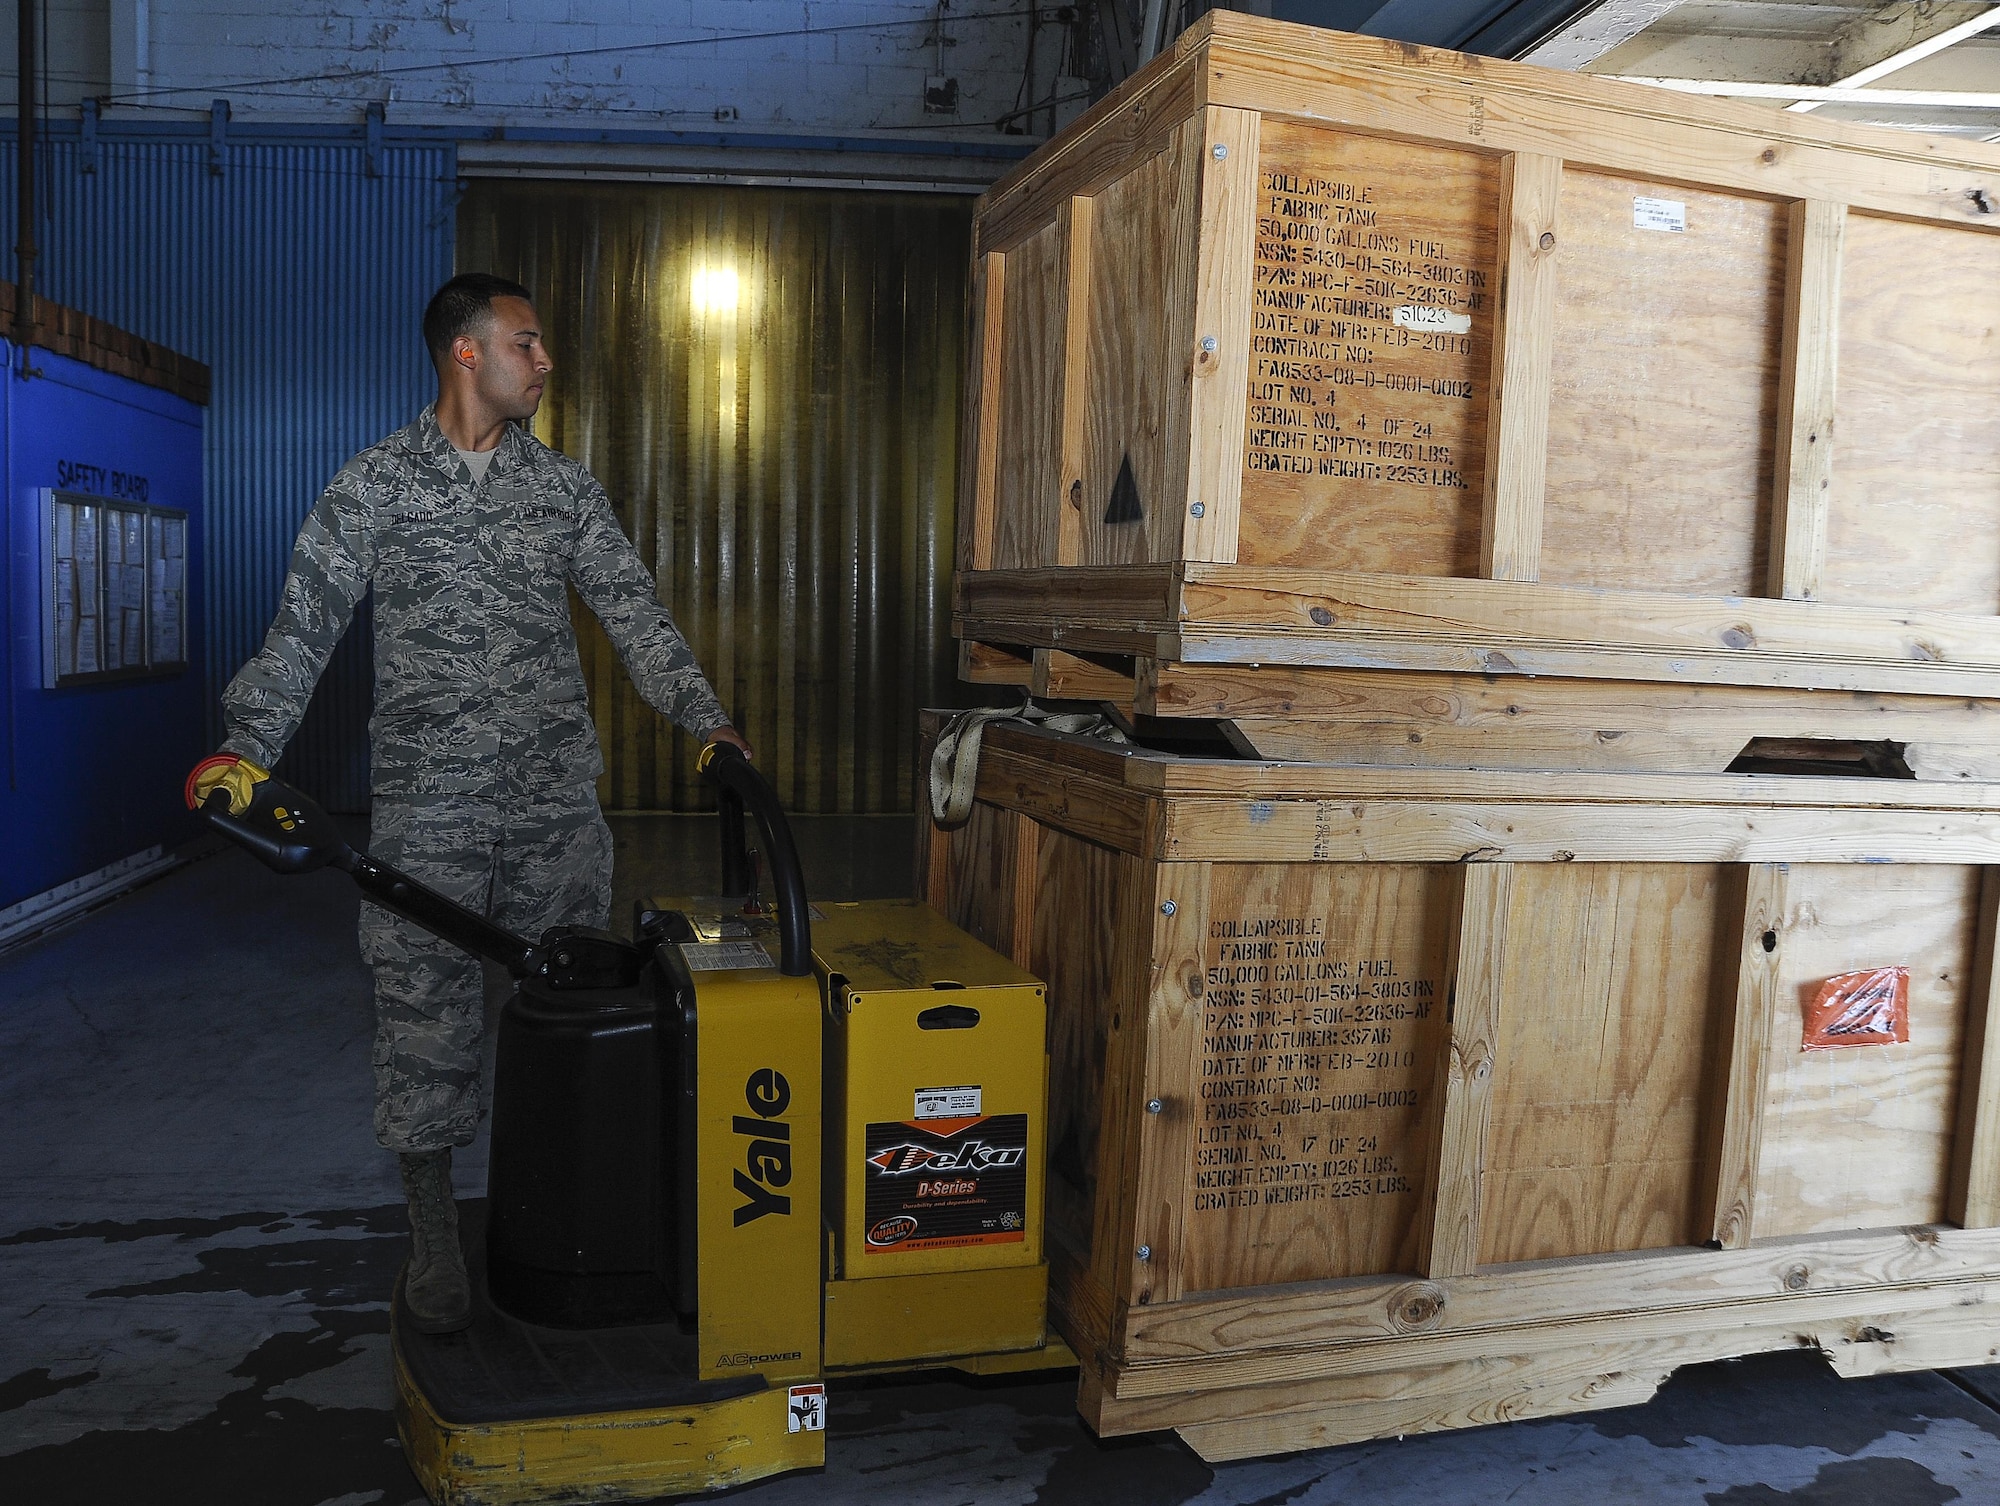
1170,1109
1136,120
1221,357
1508,1387
1070,677
1599,123
1027,485
982,415
1510,542
1239,614
1077,221
1803,470
1442,719
1448,1240
1974,1196
1352,1327
1744,1087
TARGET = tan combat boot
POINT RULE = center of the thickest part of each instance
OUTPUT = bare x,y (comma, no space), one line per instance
436,1293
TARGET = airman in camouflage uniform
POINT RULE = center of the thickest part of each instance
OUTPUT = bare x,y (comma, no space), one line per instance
482,739
483,746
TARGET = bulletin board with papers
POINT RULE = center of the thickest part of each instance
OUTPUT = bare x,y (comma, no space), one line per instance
114,589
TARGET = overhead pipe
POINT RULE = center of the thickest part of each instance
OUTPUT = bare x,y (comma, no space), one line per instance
25,321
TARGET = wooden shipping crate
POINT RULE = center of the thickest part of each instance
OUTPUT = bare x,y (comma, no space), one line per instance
1345,356
1386,1101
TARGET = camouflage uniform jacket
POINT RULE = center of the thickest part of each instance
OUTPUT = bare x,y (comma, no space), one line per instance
478,689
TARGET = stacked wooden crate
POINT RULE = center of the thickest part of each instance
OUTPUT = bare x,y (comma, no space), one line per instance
1511,453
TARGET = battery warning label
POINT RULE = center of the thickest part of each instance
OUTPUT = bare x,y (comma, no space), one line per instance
946,1182
947,1103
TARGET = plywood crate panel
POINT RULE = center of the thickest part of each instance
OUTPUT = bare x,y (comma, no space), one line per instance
1326,352
1390,1100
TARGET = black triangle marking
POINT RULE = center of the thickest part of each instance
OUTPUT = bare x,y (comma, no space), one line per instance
1125,506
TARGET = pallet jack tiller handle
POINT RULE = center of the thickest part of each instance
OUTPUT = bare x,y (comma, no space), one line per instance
289,833
739,787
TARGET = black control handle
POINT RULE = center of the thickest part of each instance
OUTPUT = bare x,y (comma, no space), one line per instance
289,833
739,789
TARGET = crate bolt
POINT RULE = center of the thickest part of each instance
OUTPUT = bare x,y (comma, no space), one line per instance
1197,509
1167,907
1154,1105
1145,1252
1221,151
1208,344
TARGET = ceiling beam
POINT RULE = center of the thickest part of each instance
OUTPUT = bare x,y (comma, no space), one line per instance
1587,37
1896,36
1820,94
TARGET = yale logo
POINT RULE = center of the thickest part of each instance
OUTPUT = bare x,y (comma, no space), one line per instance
767,1162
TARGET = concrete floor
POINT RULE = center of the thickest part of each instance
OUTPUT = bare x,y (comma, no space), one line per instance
197,1238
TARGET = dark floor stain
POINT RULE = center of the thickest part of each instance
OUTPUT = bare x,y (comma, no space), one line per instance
286,1357
112,1232
1285,1497
1152,1469
272,1453
322,1272
1149,1469
33,1385
1850,1482
1793,1396
387,1218
251,1448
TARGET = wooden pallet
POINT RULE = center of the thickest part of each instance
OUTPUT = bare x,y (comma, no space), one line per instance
1378,670
1321,350
1543,1031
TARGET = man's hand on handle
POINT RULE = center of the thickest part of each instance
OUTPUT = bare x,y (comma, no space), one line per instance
728,734
236,777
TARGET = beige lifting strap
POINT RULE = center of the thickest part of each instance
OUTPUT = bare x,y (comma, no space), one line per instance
955,759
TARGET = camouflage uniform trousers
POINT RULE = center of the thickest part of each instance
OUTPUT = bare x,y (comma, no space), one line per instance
527,864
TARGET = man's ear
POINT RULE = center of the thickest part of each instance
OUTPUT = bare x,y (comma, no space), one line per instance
465,352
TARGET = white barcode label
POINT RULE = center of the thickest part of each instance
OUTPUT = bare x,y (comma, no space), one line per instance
1659,214
948,1103
1420,316
719,956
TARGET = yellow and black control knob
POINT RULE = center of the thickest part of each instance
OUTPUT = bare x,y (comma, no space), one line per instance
236,777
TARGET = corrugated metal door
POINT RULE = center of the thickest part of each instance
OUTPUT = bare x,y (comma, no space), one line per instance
301,281
766,382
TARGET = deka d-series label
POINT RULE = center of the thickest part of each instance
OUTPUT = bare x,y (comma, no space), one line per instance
946,1182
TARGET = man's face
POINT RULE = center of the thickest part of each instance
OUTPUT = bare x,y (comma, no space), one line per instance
512,365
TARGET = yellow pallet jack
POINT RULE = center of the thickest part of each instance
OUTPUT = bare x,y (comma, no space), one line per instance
755,1149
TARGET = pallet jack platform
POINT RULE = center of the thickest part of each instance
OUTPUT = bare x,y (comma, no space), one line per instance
508,1412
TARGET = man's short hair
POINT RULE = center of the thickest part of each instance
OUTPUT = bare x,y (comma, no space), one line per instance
464,306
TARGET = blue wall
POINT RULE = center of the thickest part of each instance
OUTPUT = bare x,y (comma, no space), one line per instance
93,772
296,264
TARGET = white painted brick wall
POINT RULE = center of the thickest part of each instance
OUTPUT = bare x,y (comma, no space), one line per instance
431,61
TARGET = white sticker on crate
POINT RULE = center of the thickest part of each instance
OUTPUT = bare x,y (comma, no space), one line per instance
720,956
1659,214
1442,321
948,1103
